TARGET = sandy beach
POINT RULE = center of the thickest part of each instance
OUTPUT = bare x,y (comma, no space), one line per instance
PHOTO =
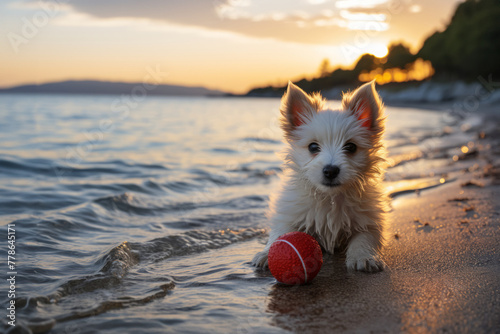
443,255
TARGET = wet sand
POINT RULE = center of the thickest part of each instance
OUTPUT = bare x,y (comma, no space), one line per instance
443,254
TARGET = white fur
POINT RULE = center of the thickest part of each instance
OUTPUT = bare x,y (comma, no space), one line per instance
351,214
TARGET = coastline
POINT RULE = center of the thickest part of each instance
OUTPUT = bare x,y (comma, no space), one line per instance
428,94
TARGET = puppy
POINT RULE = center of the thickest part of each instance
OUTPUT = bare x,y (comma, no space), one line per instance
332,173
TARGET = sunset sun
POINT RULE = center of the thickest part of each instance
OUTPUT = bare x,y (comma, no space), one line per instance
378,50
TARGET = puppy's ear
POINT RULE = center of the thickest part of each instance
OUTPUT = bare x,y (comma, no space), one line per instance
297,108
365,104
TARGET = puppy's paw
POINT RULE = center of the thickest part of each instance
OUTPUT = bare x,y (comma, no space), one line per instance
369,263
260,259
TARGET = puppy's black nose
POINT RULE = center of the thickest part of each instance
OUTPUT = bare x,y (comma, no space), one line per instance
330,172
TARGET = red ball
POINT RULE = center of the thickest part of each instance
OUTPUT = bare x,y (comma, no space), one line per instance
295,258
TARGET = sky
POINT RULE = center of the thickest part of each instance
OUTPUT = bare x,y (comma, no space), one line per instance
231,45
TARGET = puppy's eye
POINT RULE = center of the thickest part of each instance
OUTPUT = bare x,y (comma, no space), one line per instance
314,148
350,147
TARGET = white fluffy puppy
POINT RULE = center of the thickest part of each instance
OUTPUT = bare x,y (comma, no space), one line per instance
332,174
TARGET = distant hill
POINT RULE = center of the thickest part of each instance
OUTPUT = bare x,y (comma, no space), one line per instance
110,88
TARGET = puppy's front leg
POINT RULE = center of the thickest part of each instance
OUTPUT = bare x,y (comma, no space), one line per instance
362,252
260,259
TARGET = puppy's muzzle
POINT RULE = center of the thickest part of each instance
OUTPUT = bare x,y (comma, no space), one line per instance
330,172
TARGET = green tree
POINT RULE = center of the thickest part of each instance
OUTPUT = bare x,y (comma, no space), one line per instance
324,68
366,62
399,56
470,45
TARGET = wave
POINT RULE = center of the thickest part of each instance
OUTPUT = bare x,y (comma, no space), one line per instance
190,242
180,186
262,140
14,166
42,201
114,266
223,150
132,204
116,262
129,203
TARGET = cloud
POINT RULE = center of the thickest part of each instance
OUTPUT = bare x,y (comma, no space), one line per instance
307,21
345,4
415,8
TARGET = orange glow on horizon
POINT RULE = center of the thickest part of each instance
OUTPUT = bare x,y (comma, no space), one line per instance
417,71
